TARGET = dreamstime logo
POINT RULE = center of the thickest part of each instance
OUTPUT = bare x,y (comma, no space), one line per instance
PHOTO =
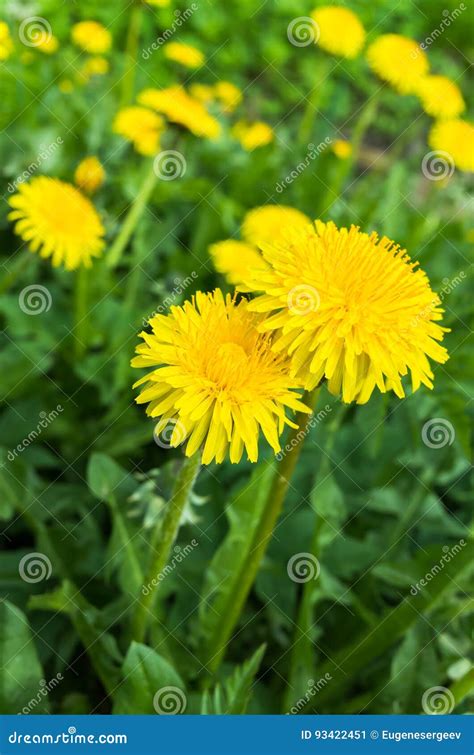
315,419
303,567
35,299
303,299
313,688
437,433
169,701
303,31
314,150
35,31
437,165
180,18
44,688
35,567
179,555
448,18
169,165
181,284
448,554
170,435
437,701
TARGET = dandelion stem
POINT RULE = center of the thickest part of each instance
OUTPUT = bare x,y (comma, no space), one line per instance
131,53
262,537
133,216
462,687
302,646
81,313
366,117
313,101
162,541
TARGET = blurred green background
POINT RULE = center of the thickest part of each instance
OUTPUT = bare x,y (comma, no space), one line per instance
377,505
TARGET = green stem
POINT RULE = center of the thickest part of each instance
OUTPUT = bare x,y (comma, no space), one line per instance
262,537
80,311
344,169
463,687
313,102
344,667
302,645
162,542
131,53
133,216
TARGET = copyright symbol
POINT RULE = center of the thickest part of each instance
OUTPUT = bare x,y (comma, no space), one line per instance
374,734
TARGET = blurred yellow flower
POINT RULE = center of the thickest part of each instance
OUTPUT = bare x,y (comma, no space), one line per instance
158,3
456,137
202,92
179,107
341,148
57,221
66,86
338,31
95,66
253,135
215,379
398,60
235,259
228,95
187,55
440,97
141,127
350,307
89,175
92,37
271,223
6,44
48,44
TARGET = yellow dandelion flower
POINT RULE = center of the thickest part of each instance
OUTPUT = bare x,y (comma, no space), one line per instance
202,92
95,66
57,221
338,31
341,148
398,60
440,97
228,95
179,107
91,36
253,135
351,308
236,260
187,55
158,3
48,45
215,379
456,137
89,175
6,43
270,223
141,127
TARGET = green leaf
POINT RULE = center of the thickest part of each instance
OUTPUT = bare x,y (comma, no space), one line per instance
150,684
21,677
104,475
233,695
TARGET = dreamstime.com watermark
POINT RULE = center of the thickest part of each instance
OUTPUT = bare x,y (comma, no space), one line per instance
437,701
67,737
448,554
43,155
448,18
35,567
170,701
44,689
180,18
313,152
315,419
180,554
181,284
447,287
46,418
313,689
